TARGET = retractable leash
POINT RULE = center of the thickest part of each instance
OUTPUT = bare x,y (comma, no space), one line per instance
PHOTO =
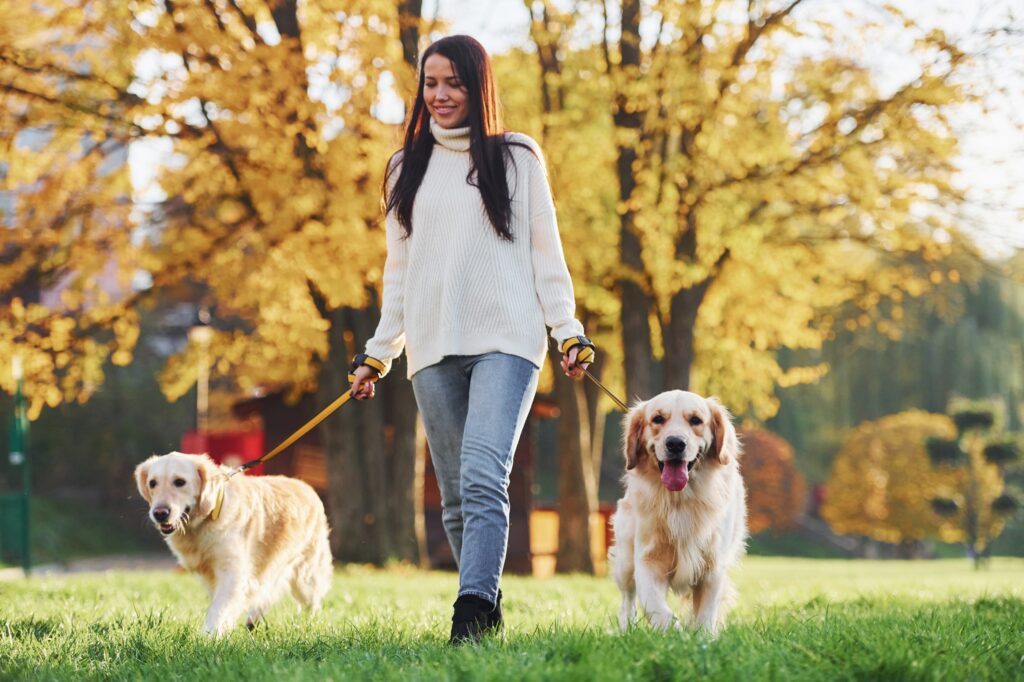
621,405
586,354
302,431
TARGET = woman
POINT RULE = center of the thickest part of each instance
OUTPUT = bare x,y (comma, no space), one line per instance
474,272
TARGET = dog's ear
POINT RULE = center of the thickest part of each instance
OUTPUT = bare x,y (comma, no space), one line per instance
142,478
726,445
633,447
209,485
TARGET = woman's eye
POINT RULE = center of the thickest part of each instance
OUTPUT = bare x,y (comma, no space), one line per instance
658,419
179,482
152,484
696,421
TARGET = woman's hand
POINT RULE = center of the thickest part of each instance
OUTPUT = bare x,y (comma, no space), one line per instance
569,365
577,354
364,379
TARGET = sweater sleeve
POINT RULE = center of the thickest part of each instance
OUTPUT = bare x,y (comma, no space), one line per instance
389,338
550,272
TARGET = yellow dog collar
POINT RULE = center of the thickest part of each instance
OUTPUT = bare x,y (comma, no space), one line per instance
215,514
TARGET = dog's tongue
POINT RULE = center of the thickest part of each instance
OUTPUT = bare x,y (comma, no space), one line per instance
674,476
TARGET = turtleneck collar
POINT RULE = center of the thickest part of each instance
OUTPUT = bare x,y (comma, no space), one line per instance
456,139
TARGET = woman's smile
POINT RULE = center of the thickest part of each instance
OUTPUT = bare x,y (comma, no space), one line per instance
443,92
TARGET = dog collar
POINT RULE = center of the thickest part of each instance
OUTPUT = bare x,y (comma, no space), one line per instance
215,514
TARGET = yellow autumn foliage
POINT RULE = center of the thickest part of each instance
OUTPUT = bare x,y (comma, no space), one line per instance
780,185
266,189
882,481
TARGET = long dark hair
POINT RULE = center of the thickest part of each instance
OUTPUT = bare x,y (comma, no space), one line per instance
487,143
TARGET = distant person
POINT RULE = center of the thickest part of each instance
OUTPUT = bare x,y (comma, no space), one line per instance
474,272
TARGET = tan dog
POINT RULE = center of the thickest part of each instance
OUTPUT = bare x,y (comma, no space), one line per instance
248,538
683,520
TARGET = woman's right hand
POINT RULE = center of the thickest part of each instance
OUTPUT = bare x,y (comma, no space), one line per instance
364,379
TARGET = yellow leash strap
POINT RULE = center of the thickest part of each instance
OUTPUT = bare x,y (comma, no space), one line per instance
302,431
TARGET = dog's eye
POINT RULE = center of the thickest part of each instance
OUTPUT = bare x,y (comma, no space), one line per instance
696,421
658,419
152,484
179,482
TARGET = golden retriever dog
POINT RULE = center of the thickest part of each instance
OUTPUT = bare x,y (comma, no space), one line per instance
248,538
683,520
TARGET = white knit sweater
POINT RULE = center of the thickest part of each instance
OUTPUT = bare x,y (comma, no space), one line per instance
455,287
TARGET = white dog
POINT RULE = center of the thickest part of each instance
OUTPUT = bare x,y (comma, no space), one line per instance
248,538
683,520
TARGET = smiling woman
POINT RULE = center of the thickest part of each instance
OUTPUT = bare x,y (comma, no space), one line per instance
443,92
474,273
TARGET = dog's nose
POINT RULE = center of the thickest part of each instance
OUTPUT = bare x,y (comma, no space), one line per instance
675,446
161,514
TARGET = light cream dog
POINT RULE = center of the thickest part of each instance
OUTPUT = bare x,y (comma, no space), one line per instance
248,538
683,520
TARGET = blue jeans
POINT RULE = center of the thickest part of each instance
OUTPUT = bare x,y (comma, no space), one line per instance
474,408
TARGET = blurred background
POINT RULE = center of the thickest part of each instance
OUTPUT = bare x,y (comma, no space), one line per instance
809,209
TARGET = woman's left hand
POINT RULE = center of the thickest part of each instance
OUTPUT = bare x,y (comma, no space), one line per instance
569,365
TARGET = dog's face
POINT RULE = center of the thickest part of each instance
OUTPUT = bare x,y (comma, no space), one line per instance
678,431
177,488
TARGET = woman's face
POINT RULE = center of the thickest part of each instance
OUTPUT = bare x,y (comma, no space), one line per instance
445,96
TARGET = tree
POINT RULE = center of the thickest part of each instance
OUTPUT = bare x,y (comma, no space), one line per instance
567,132
747,167
775,488
270,205
960,338
728,188
976,498
882,481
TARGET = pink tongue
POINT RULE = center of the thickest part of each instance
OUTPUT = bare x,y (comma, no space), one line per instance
674,476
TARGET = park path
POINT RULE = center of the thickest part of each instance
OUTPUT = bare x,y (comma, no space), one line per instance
101,564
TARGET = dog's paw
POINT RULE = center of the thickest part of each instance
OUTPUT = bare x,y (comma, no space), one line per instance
213,631
665,622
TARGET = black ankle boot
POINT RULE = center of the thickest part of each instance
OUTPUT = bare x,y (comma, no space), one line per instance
494,619
473,618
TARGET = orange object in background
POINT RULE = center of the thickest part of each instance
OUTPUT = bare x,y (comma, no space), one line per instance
230,448
544,539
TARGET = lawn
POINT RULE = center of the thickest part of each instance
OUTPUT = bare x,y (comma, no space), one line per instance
797,619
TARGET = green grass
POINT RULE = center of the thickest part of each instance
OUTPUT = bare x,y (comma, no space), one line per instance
790,544
797,619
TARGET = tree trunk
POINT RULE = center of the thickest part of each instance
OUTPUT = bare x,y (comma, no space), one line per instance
348,435
404,490
636,302
371,453
409,14
678,335
577,488
577,475
409,442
